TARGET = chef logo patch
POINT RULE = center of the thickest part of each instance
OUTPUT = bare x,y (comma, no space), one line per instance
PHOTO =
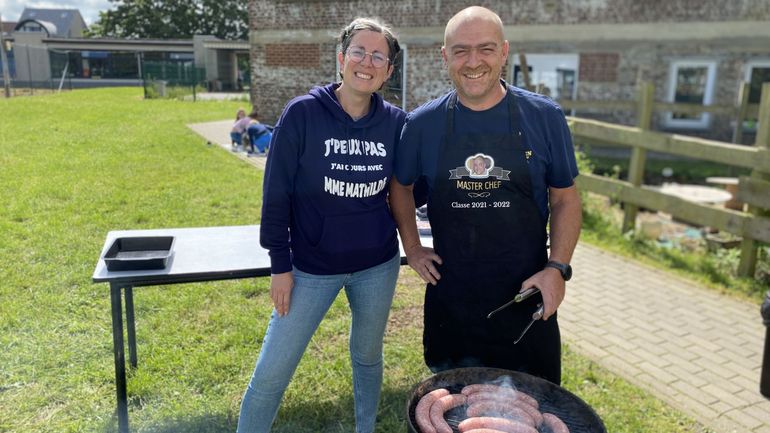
479,166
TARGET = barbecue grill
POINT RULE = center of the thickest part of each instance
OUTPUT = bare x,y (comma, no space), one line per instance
579,417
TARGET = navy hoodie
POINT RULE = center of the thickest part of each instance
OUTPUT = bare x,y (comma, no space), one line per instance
324,207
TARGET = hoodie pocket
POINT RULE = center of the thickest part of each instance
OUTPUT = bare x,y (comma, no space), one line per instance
359,232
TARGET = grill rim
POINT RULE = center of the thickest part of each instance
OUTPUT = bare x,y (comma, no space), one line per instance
450,379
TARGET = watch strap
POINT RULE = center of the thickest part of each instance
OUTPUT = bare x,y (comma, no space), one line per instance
563,268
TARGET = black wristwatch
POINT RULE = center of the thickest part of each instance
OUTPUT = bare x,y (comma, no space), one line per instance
565,269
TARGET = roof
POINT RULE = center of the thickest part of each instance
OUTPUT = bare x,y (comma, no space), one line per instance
110,44
227,45
62,20
7,27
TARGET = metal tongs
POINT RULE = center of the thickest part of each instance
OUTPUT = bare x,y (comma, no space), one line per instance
537,315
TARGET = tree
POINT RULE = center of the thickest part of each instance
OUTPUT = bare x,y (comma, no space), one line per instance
173,19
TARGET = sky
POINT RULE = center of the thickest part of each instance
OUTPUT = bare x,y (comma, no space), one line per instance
11,9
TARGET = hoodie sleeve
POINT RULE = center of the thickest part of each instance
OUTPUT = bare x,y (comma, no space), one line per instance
278,188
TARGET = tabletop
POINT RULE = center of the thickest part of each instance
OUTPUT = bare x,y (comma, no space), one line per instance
719,180
201,254
697,193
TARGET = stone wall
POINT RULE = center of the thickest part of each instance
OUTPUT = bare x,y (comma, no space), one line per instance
610,66
316,14
426,77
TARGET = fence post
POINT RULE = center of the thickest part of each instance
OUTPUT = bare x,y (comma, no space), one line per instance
524,71
743,105
748,262
638,155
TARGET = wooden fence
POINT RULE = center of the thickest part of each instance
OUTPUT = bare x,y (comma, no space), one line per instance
753,226
741,112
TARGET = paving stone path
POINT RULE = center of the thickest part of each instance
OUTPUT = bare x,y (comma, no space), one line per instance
697,350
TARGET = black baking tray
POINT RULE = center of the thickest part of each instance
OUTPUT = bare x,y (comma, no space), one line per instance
139,253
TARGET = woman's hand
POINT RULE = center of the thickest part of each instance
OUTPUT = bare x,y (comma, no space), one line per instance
280,291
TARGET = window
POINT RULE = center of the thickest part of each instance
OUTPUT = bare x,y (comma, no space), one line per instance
553,75
757,73
691,82
97,64
31,27
181,56
394,90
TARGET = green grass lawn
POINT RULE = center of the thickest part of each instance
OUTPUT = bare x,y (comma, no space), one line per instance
76,165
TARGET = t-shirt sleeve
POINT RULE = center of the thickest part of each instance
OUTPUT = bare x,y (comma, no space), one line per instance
407,161
563,169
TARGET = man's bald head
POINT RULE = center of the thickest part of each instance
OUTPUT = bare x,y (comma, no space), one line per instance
473,14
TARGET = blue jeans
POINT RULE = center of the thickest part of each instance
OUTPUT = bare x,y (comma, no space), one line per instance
235,138
370,294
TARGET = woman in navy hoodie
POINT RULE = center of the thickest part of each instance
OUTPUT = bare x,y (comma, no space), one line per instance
327,225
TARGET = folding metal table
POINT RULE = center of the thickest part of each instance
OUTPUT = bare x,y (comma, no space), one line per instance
199,254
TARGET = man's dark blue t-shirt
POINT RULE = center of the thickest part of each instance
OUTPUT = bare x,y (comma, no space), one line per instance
542,124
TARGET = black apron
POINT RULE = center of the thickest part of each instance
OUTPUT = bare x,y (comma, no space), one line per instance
491,237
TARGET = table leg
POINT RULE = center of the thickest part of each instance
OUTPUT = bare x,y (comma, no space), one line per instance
130,325
120,358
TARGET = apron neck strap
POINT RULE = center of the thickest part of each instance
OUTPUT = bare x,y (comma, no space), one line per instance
512,111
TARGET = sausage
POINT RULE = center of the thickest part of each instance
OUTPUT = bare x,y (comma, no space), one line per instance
442,405
554,424
505,397
499,409
500,390
502,424
422,411
484,430
537,417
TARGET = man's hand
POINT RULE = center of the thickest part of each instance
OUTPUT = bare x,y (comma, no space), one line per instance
280,291
552,287
422,259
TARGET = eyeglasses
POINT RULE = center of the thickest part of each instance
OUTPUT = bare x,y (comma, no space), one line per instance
358,55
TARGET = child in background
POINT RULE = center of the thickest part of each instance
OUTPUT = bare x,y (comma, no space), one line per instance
239,128
259,134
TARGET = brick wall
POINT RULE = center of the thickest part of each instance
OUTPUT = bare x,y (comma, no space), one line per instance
599,67
281,72
293,55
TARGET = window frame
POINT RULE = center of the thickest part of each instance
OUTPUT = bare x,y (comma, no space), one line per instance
755,63
704,120
750,125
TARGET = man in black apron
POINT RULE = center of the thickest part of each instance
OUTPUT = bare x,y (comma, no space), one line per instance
502,160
